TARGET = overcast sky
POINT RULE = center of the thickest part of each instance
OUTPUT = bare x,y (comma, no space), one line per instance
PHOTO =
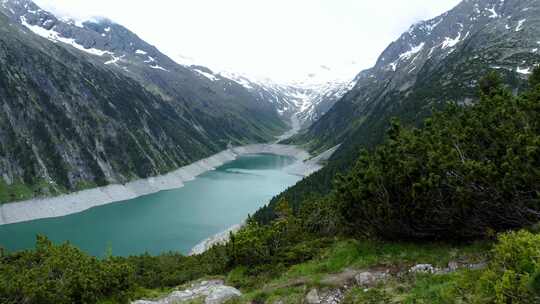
279,39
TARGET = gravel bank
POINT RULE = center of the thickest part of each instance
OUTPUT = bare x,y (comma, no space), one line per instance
83,200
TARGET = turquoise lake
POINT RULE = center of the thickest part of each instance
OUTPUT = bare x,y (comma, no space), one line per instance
174,220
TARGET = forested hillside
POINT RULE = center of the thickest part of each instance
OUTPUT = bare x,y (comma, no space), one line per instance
436,62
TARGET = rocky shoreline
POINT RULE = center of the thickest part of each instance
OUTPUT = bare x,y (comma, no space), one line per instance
80,201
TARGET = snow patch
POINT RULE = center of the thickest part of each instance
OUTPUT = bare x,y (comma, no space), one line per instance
55,37
519,27
207,75
140,52
114,59
414,50
157,67
450,43
493,13
524,71
242,81
431,27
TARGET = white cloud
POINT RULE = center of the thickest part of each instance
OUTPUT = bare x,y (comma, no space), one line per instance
280,39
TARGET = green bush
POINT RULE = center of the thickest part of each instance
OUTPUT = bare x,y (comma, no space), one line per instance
512,276
62,274
470,171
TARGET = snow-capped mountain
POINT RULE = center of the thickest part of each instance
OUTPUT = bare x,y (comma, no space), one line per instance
116,47
119,48
435,61
307,99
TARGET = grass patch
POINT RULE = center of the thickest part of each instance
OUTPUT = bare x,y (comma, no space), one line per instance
365,254
293,283
19,191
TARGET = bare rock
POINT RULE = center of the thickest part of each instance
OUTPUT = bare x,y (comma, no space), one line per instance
222,294
371,278
333,296
365,279
214,292
313,297
423,268
453,266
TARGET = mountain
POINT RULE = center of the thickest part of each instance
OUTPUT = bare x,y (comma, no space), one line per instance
307,98
87,104
307,101
434,62
119,48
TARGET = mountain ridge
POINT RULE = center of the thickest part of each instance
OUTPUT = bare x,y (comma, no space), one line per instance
428,47
74,118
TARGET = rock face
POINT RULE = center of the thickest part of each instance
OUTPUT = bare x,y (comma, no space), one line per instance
89,104
213,292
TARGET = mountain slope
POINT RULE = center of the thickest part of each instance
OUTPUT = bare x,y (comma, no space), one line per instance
436,61
71,120
308,100
226,102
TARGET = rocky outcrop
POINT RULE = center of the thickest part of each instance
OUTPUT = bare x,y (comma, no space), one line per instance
452,267
213,292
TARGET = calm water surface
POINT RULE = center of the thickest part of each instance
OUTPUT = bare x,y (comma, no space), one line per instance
168,220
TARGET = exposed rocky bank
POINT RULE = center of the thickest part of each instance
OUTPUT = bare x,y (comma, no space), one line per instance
83,200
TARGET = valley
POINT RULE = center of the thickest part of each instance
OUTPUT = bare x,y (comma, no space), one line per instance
307,153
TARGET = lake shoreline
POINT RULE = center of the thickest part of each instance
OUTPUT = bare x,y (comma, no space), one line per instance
304,168
76,202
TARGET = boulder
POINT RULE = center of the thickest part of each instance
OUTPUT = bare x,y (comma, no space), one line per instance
222,294
371,278
423,268
313,297
213,292
365,279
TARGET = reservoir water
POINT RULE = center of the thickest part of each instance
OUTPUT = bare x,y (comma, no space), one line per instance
174,220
